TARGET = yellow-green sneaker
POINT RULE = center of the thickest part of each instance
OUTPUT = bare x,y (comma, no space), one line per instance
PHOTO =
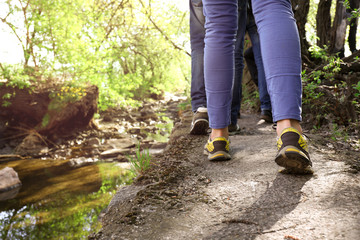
293,153
218,149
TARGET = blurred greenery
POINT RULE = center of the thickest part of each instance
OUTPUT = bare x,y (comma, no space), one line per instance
130,49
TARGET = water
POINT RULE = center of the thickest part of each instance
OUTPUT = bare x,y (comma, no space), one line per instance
164,128
58,201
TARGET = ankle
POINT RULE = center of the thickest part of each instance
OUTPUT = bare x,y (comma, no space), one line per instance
222,132
286,123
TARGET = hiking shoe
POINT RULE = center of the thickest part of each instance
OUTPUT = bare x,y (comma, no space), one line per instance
200,122
266,115
233,129
217,149
293,152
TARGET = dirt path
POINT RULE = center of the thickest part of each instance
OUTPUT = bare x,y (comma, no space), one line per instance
187,197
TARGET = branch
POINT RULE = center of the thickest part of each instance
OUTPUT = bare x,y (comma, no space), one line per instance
10,25
162,33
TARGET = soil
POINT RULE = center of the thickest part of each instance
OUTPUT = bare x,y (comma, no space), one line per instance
185,196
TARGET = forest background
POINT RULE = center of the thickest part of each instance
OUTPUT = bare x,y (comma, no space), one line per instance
138,49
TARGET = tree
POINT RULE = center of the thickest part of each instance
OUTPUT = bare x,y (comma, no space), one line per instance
301,10
124,47
323,22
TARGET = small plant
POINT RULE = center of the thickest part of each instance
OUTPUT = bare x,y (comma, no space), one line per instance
184,105
357,88
68,93
141,162
6,97
338,133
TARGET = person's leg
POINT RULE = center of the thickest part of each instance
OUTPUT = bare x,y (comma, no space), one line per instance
221,26
265,103
280,49
251,65
197,36
239,62
200,123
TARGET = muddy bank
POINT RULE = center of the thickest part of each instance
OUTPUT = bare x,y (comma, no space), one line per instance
184,196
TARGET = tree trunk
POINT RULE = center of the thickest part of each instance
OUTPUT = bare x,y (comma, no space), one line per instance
338,31
301,10
354,4
323,22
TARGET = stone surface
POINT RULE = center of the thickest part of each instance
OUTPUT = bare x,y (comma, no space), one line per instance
120,143
9,180
81,161
114,153
32,145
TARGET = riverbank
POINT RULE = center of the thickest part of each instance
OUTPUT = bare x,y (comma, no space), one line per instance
66,186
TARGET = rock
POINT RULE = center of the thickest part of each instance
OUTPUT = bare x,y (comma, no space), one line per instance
92,142
81,161
157,148
107,118
121,158
9,157
31,145
9,194
120,143
134,130
62,153
94,152
9,181
114,153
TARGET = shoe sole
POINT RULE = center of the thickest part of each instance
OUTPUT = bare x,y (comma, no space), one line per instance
218,156
291,158
199,127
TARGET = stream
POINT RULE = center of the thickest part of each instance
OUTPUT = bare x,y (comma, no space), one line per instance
58,201
62,200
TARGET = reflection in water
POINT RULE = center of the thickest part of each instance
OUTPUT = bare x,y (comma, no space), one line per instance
163,131
57,201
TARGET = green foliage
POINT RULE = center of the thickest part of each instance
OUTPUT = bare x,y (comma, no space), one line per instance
355,13
357,88
356,102
16,76
332,62
310,87
45,121
185,105
313,80
129,49
338,133
141,162
6,97
6,103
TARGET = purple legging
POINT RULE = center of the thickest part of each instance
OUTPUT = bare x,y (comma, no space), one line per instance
221,26
280,50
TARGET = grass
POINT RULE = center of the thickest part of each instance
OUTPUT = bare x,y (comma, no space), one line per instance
141,162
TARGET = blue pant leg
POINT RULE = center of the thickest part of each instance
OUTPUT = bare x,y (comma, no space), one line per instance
221,26
239,61
197,36
265,103
280,49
